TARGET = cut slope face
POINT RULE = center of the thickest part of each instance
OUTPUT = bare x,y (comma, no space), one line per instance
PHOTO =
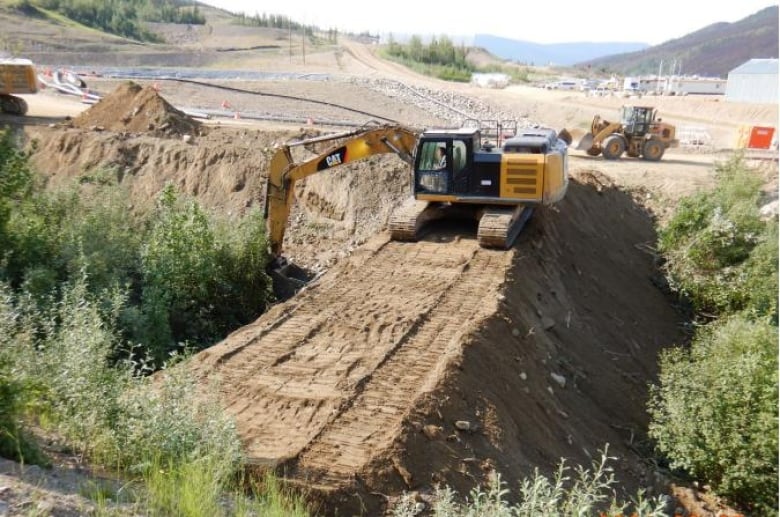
412,364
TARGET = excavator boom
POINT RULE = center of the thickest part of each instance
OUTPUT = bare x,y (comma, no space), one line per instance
344,148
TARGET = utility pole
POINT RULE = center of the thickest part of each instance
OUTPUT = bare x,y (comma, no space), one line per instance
289,28
303,44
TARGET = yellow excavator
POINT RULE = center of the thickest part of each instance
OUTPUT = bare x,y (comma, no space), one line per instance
17,76
488,170
638,133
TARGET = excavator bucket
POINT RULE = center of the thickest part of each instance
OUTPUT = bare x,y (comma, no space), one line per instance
586,142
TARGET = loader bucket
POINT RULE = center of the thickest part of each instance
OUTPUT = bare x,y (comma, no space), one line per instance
586,142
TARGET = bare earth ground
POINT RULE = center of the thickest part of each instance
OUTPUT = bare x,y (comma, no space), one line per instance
406,365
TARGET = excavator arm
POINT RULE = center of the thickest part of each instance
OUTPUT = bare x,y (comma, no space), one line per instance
344,148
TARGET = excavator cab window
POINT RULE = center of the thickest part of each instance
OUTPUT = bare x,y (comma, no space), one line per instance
433,166
442,166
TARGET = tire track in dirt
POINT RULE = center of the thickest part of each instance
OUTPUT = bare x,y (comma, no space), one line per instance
321,384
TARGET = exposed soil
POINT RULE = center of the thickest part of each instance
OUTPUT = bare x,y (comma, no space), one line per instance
134,108
405,365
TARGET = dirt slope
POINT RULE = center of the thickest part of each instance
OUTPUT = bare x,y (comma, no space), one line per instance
355,385
333,371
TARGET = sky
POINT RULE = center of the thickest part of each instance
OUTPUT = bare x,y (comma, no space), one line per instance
545,21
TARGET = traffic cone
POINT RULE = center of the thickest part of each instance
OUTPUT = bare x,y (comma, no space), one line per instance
237,116
309,121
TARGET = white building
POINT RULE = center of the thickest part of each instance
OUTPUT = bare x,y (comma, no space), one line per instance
683,85
490,80
753,82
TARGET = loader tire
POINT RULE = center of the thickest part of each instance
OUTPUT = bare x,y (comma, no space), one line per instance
613,147
653,150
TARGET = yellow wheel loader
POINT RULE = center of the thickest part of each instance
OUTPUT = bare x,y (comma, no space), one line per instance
639,133
17,76
455,173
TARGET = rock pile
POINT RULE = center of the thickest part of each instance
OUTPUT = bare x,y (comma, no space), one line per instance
440,103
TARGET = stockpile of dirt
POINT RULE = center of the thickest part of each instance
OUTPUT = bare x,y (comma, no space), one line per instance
137,109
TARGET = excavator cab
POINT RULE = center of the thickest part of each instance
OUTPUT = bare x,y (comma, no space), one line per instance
480,168
492,173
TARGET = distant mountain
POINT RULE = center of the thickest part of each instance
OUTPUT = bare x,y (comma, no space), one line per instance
712,51
563,54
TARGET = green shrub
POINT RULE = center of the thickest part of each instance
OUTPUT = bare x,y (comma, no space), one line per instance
15,184
714,412
709,246
16,391
165,429
188,276
246,289
588,492
108,409
198,284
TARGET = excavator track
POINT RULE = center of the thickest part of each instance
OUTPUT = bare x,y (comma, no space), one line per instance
499,227
408,222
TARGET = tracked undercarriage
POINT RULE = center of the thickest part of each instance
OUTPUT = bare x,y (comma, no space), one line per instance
498,226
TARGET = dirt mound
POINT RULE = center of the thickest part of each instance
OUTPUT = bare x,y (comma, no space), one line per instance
562,367
137,109
412,364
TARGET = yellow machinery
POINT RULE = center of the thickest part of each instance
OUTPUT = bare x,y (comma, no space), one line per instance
639,133
17,76
454,172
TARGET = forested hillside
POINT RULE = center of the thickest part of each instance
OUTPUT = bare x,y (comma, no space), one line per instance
712,51
120,17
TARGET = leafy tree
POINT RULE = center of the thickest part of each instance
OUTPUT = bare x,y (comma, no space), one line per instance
196,286
439,58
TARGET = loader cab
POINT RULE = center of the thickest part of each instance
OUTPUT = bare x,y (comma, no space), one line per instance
637,120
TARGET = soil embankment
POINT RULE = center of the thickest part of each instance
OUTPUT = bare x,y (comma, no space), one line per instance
406,365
